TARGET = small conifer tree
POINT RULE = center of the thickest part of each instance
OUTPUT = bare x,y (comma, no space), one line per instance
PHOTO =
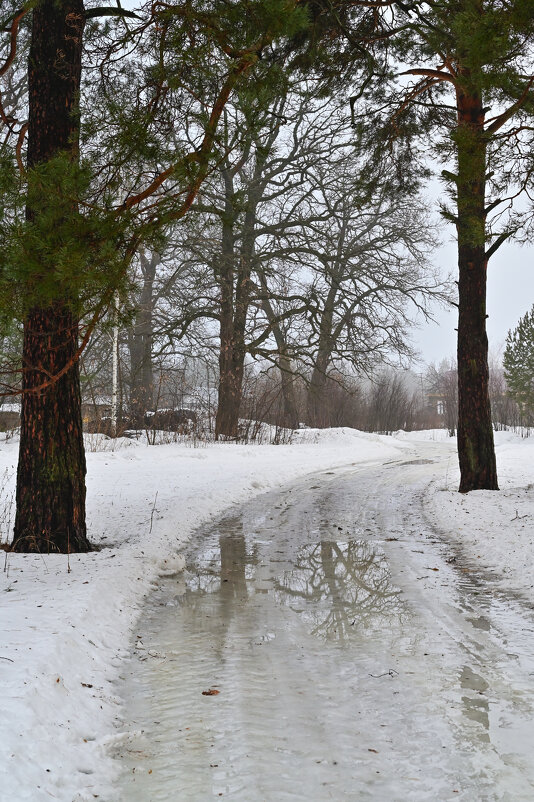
518,363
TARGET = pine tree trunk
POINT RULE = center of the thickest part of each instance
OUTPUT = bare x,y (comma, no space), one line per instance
51,472
476,453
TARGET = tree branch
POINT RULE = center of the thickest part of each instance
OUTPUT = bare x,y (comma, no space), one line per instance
498,242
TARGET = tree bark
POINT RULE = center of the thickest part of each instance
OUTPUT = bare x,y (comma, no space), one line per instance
140,346
476,453
287,376
317,408
230,377
235,300
51,471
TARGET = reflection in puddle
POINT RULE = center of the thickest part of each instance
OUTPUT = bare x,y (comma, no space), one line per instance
476,706
328,684
339,588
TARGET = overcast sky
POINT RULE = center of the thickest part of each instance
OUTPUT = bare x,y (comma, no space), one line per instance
510,295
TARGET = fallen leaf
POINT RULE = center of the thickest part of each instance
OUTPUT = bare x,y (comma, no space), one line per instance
211,692
373,750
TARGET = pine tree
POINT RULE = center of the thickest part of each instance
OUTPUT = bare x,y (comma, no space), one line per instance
64,261
518,361
465,95
51,470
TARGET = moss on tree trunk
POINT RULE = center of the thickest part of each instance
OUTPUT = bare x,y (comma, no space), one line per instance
51,472
476,452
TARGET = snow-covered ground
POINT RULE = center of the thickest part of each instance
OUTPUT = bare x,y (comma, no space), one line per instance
495,530
66,624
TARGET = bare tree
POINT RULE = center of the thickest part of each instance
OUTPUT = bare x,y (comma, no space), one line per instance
140,340
442,381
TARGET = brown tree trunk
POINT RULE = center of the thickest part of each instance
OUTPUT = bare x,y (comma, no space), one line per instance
291,412
230,381
287,376
231,365
51,471
476,453
316,401
235,300
140,346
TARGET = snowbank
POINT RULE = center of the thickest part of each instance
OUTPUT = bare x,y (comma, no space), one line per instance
425,436
66,624
494,529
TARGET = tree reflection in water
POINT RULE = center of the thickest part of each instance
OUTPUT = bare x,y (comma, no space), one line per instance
340,589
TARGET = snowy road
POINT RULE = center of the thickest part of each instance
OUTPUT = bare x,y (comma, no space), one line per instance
350,655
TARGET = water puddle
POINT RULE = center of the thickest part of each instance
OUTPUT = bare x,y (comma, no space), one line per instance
288,665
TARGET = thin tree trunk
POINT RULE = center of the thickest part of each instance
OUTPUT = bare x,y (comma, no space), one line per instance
140,345
287,376
115,367
476,453
229,400
51,471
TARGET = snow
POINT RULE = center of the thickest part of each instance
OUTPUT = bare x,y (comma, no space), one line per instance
494,529
66,624
64,634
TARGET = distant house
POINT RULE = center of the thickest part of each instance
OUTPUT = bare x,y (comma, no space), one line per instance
9,416
436,402
95,411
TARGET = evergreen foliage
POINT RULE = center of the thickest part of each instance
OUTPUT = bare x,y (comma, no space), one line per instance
465,93
76,212
152,94
518,361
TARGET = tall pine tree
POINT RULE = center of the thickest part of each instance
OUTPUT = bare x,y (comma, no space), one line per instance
51,471
465,96
62,262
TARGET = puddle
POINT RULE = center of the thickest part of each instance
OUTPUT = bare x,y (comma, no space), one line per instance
421,461
288,664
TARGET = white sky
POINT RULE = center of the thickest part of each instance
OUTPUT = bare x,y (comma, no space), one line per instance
510,295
